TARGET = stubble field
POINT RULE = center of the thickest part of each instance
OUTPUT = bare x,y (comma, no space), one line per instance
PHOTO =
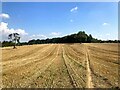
60,66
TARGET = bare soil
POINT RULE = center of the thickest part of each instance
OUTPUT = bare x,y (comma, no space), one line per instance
60,66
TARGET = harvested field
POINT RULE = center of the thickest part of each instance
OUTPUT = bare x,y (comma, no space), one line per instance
60,66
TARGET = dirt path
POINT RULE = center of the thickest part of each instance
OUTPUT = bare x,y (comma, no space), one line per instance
89,78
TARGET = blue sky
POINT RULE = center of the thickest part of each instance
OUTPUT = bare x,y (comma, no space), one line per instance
55,19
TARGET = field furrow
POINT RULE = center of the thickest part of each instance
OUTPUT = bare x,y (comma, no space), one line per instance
104,67
61,66
21,62
29,69
69,71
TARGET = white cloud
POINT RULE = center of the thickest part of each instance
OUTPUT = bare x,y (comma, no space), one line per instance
5,31
74,9
105,24
55,33
5,16
39,36
108,34
21,32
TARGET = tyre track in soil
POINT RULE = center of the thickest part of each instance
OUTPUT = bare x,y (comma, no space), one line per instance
78,57
20,52
79,60
40,82
70,71
78,79
21,62
79,64
112,70
23,53
99,80
77,54
27,74
76,51
89,77
104,73
101,50
36,58
40,67
11,63
33,56
56,75
32,80
109,57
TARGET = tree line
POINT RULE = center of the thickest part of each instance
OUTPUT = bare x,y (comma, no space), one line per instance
80,37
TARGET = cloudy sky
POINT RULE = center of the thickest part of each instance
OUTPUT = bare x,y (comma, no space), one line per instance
54,19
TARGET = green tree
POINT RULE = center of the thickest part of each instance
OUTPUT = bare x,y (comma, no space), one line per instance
15,38
81,37
89,39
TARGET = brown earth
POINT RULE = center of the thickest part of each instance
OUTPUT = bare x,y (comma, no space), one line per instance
60,66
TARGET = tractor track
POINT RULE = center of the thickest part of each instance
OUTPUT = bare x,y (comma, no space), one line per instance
72,80
89,77
60,66
42,70
28,66
24,62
